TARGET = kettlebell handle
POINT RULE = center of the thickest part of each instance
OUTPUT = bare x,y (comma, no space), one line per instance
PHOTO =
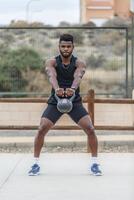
70,99
56,96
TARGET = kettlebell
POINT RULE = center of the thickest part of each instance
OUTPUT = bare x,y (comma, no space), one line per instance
64,105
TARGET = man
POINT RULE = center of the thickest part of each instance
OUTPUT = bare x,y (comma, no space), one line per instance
65,73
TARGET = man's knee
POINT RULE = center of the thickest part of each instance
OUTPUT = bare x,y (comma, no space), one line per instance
43,128
90,129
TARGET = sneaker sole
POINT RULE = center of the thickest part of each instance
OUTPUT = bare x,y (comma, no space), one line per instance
92,174
37,174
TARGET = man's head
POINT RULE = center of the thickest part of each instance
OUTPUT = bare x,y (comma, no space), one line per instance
66,45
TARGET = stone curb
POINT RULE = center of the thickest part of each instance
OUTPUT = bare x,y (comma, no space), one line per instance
105,142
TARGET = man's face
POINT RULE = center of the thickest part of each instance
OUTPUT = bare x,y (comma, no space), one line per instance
66,48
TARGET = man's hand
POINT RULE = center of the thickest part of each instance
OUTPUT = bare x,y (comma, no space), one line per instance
60,92
69,92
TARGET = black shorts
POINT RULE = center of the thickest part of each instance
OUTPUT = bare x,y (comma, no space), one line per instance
76,113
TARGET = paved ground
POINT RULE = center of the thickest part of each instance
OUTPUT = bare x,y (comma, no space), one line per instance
65,177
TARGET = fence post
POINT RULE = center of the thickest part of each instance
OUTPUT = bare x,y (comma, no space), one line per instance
133,94
90,100
133,106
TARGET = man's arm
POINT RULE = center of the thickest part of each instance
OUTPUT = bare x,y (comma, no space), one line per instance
51,73
78,74
52,76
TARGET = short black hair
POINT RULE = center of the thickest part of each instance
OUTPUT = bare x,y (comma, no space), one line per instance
66,37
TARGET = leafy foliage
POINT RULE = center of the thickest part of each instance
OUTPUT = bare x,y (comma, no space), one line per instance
12,65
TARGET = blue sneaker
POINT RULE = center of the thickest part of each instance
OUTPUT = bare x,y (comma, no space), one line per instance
35,170
95,170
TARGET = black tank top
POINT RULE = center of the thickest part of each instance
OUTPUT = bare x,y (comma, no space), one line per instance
65,77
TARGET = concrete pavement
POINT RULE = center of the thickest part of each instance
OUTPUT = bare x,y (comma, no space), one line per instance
65,177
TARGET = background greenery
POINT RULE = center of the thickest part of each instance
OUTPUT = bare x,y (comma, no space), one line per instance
23,53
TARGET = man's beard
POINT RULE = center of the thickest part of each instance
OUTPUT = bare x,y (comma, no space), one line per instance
66,55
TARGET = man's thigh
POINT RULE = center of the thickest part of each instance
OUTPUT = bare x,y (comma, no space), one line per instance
52,113
86,123
78,112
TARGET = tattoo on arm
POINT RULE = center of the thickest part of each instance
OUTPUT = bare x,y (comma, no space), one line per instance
51,73
79,72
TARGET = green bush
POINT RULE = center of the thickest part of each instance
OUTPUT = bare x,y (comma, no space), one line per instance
95,61
8,37
12,65
119,48
78,36
117,22
112,65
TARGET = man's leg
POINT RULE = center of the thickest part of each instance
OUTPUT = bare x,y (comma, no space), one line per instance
45,126
82,118
49,118
86,124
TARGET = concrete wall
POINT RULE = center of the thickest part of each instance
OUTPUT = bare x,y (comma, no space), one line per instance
30,113
122,8
92,9
114,114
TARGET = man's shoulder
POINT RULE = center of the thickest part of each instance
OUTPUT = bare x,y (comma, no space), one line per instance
80,62
51,61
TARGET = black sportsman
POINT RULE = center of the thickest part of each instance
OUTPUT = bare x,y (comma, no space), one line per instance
65,73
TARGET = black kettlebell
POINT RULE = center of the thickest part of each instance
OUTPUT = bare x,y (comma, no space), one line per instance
64,105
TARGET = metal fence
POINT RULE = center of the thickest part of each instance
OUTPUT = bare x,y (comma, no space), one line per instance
104,49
